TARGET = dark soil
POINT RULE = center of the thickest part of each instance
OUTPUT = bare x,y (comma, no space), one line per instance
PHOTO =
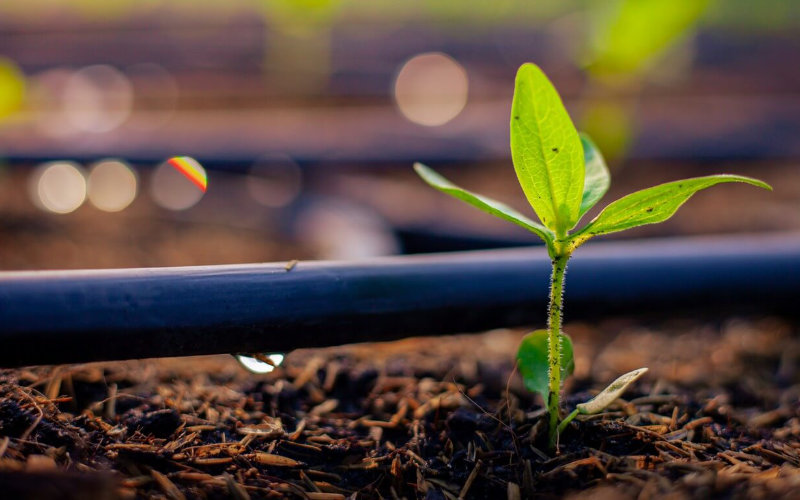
718,415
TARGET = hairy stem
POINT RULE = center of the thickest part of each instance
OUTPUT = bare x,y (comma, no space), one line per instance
554,344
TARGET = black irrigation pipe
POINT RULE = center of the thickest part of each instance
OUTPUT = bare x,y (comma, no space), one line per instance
719,150
75,316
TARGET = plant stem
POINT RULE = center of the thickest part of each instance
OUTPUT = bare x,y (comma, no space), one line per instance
564,423
554,343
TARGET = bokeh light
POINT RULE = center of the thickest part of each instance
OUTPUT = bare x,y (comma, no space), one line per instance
172,190
339,230
97,99
112,185
274,180
191,169
431,89
58,187
257,366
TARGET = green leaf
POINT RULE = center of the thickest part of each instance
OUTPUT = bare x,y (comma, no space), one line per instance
610,394
532,357
627,39
597,177
546,149
486,204
652,205
12,88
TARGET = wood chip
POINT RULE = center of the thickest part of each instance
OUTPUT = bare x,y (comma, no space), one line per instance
212,461
313,495
294,436
40,463
698,422
448,400
236,490
324,408
269,428
273,460
309,372
168,487
470,479
513,492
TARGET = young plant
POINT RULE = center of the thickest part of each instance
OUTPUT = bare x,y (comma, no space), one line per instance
563,175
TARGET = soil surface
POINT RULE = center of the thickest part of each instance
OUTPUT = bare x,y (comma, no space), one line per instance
718,415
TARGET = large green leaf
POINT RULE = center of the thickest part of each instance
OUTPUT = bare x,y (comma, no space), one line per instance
546,149
597,177
486,204
533,364
652,205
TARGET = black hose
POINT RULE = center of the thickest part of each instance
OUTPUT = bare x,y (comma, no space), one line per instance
75,316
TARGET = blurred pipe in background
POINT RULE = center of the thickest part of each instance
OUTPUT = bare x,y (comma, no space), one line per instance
47,94
298,44
155,96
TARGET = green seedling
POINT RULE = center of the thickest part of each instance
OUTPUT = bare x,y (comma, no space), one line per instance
563,175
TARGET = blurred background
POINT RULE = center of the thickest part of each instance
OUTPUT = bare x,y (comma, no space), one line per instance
307,115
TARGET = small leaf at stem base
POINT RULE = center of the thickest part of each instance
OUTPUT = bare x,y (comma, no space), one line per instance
533,365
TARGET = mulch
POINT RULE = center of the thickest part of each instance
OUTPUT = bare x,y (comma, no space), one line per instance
718,415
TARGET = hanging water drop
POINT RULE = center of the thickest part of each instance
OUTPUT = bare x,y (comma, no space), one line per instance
261,362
